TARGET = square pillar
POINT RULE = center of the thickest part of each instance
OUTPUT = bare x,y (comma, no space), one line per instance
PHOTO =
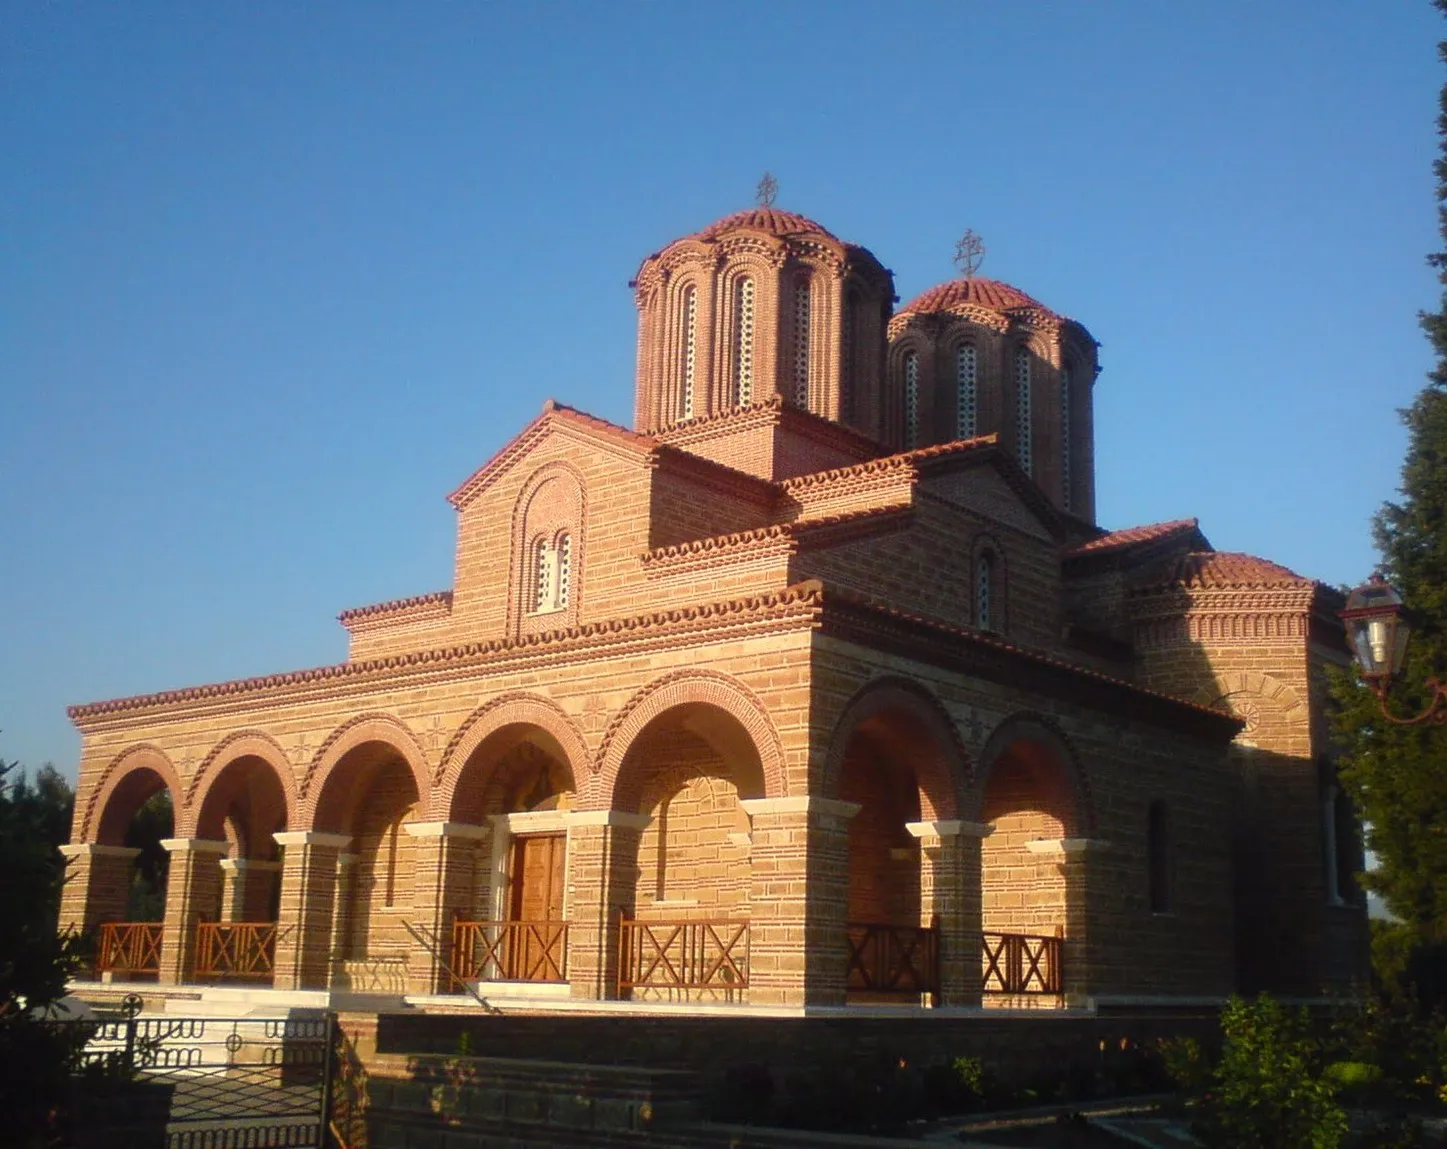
798,900
949,886
342,915
1084,895
446,860
193,894
97,885
246,889
602,881
308,899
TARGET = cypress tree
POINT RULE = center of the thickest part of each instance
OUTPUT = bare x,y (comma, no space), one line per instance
1397,775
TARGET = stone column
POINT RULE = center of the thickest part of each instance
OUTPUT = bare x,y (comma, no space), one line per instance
97,885
193,894
342,904
1082,913
949,886
602,880
446,861
308,898
245,889
798,900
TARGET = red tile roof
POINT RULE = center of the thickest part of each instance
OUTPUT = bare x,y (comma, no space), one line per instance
961,293
1225,570
1130,536
436,598
766,219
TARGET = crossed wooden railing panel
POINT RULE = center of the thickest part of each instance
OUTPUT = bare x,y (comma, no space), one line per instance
129,948
1022,963
510,951
893,959
683,955
242,950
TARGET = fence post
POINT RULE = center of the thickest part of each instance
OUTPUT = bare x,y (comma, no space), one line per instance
327,1138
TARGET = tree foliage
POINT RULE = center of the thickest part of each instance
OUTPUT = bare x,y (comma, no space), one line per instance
1397,775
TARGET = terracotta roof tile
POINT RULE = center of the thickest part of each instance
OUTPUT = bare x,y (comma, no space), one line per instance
765,219
1227,569
975,292
438,597
1131,536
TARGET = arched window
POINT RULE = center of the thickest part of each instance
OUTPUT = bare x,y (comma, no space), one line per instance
743,342
1023,426
690,350
985,591
911,400
1158,851
802,308
565,569
966,391
847,345
542,575
389,898
1065,444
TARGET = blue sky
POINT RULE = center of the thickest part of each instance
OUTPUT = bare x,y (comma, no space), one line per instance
275,278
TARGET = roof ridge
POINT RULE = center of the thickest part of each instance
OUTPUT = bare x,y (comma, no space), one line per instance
1132,536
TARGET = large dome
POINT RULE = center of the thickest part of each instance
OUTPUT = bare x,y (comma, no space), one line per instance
959,295
765,219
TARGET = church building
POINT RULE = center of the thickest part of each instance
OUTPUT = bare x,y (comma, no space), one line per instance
819,686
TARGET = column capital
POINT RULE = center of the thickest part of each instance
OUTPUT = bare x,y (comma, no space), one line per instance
803,804
607,818
950,829
446,830
311,838
96,850
194,845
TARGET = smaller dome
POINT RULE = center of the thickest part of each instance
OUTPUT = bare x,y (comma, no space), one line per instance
766,219
959,294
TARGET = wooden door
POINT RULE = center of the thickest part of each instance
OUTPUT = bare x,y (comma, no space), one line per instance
535,952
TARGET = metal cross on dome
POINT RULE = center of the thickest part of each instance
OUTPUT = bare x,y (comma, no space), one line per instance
969,253
767,190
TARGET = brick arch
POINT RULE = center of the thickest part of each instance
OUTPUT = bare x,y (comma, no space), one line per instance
681,688
142,756
240,744
1252,682
517,708
348,736
564,509
1040,729
942,771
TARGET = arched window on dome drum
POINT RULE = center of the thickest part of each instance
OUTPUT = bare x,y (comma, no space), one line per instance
966,391
690,351
846,356
985,591
1023,427
1158,851
1065,476
911,400
802,308
743,366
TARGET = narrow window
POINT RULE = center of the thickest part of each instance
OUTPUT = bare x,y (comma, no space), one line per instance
911,400
1158,847
744,342
390,898
966,396
1065,478
984,591
1022,409
542,575
565,568
846,376
802,305
690,349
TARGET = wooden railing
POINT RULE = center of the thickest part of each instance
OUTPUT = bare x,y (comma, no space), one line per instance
129,948
509,951
240,950
1022,963
683,955
893,959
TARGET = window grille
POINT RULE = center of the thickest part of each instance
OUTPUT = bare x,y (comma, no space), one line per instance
966,394
911,400
542,575
690,348
1023,428
802,303
744,342
1065,477
565,569
984,575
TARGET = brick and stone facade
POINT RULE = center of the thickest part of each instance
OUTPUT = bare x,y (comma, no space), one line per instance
792,653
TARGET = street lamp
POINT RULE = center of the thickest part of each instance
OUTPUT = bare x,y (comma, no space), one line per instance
1377,631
